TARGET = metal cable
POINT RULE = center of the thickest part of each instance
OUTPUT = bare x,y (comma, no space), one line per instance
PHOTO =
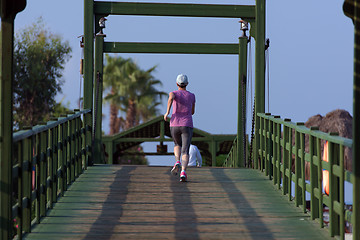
267,66
252,136
243,82
250,74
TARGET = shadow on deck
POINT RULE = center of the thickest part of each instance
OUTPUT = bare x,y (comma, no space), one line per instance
140,202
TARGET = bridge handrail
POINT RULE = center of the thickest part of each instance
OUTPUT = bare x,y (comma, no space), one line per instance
22,134
276,151
302,129
47,159
230,160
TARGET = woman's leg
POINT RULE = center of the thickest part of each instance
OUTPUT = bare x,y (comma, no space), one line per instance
177,152
186,137
176,135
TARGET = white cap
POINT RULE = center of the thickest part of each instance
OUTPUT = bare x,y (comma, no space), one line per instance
182,80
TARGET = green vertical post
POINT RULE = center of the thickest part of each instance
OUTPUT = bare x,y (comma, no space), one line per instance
259,67
84,146
290,152
43,167
356,126
37,176
302,158
278,154
54,160
50,161
320,172
241,143
213,152
297,170
266,145
7,31
78,147
334,188
19,218
287,169
274,151
27,182
8,11
99,53
72,149
270,155
332,224
68,153
88,68
342,192
162,129
314,202
61,159
110,151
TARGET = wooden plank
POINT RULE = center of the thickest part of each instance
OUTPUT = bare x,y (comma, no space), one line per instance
140,202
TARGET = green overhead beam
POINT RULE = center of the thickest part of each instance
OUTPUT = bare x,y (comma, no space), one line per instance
176,10
172,48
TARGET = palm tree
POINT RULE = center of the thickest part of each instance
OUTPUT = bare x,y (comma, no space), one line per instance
132,91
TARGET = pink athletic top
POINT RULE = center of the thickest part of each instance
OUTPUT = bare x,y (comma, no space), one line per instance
182,108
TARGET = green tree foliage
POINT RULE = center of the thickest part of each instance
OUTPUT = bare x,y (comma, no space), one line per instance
133,97
39,60
131,91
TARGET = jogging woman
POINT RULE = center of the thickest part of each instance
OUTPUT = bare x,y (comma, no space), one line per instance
181,124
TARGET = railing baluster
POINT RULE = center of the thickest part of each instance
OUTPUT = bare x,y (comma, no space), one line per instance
72,149
290,154
283,151
332,222
66,163
266,146
42,191
61,160
297,170
278,152
269,156
78,146
37,178
55,167
342,192
320,180
274,154
27,166
302,158
334,187
20,179
314,203
50,159
285,154
44,154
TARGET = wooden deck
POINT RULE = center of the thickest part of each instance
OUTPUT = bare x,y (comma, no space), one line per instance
140,202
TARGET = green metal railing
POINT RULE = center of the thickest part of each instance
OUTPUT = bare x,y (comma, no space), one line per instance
231,158
47,159
283,157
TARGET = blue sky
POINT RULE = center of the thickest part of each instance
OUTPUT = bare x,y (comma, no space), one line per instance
311,56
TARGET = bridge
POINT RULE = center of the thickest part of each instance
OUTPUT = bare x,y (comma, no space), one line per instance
57,184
